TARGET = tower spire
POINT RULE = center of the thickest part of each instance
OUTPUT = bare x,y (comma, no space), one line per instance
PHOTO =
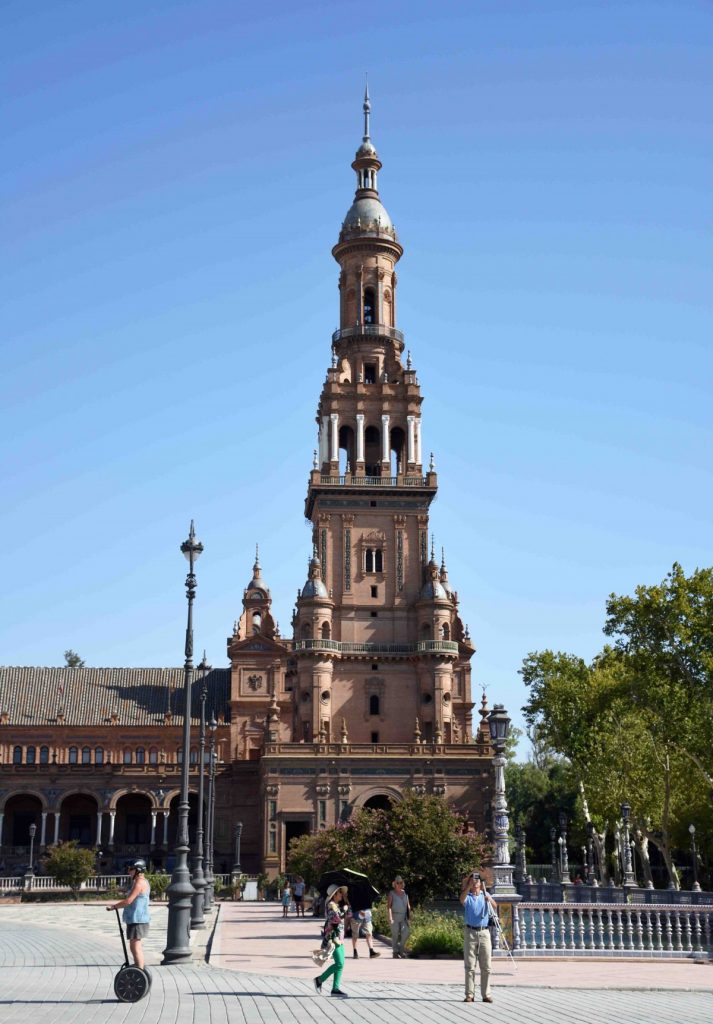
367,112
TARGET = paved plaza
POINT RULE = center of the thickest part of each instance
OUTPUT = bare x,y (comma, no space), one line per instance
57,963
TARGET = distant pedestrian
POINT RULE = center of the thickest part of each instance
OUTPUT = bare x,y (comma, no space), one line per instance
477,947
361,922
337,907
136,913
285,899
399,910
298,892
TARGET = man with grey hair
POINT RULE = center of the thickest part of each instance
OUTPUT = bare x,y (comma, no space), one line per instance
476,939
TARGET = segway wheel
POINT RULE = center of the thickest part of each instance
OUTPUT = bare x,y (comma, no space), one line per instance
131,984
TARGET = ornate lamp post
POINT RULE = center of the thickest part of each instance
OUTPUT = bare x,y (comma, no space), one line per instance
628,866
591,874
209,894
696,887
197,876
180,891
553,853
237,833
564,858
499,723
30,873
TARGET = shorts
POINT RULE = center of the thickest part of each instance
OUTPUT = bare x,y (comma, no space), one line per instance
298,899
137,931
361,927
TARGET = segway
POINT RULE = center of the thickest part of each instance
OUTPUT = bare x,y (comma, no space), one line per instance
131,983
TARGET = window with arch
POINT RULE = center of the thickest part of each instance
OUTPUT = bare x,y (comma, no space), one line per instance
99,755
86,755
140,755
194,756
326,631
179,755
369,307
306,630
373,560
44,755
257,621
17,755
30,755
373,704
445,631
425,631
73,755
153,755
128,755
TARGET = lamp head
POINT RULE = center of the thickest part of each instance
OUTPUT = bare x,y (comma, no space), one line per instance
192,548
499,725
625,811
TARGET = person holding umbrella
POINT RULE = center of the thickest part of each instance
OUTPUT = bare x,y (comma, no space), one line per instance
334,932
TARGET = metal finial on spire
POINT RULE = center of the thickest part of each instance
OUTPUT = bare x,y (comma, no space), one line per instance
367,111
443,559
433,547
431,464
409,364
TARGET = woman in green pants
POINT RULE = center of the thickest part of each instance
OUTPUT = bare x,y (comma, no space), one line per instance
334,932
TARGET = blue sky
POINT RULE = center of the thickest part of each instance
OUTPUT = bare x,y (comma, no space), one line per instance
174,177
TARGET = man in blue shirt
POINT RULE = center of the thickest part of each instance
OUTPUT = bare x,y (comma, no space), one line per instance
476,939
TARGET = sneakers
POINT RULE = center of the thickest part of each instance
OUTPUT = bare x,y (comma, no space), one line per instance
318,985
338,994
373,953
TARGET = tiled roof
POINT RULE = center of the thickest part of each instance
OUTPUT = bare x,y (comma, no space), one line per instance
105,696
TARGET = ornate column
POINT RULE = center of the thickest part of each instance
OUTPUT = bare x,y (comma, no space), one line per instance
166,815
385,439
360,438
100,818
56,826
112,822
411,454
2,818
154,815
43,829
499,723
417,436
334,437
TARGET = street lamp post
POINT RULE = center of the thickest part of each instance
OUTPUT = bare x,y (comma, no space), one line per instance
499,723
198,877
30,873
553,853
237,833
591,873
696,887
180,891
209,894
564,858
628,866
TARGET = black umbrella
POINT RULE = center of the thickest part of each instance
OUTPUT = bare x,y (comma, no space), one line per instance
362,893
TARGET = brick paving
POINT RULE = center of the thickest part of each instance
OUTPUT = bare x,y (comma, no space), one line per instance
57,963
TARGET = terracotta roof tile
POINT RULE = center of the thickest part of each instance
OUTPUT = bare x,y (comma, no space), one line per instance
91,696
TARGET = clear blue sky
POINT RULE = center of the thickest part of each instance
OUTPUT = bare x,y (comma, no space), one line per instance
174,176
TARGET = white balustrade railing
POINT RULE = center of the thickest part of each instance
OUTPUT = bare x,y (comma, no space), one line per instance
11,882
611,929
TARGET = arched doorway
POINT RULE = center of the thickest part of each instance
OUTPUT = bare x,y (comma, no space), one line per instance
20,812
378,802
78,819
132,834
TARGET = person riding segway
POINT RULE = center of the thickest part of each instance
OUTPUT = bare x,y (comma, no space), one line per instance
133,981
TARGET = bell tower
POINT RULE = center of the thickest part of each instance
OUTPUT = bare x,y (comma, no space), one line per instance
392,648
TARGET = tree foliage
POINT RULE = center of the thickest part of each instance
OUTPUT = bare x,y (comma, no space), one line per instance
69,864
72,659
419,837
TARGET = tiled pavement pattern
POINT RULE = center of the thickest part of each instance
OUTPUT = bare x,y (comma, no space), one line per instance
51,973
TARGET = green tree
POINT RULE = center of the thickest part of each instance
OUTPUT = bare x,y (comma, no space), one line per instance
70,865
419,837
72,659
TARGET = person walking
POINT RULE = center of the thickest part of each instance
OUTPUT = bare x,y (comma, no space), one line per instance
136,913
362,921
337,907
399,910
285,899
477,947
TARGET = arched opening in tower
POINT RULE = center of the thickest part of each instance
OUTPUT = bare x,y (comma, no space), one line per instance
398,451
347,452
369,306
372,451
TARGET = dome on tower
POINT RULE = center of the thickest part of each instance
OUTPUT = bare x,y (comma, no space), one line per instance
367,215
257,582
314,587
